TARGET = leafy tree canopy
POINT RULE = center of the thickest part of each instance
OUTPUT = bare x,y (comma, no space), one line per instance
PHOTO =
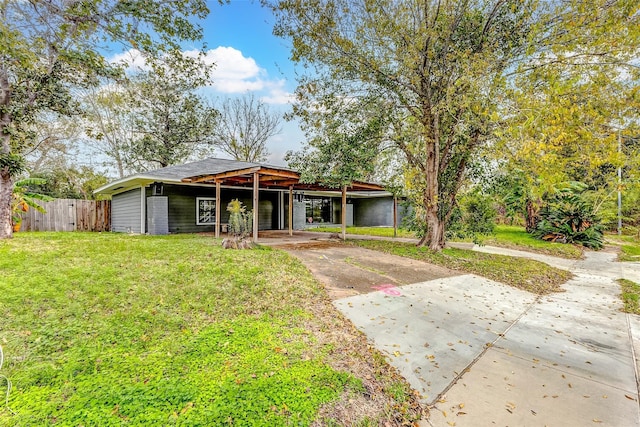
170,121
442,72
50,46
434,69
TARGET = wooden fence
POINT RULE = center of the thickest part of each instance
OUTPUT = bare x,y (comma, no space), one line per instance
69,215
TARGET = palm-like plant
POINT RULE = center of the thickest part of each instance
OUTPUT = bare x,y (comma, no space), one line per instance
24,199
567,217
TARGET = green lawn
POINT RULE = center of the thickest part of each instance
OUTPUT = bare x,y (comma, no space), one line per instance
367,231
629,247
630,252
110,329
513,237
530,275
516,237
630,296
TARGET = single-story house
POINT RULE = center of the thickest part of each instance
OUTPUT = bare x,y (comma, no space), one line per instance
193,197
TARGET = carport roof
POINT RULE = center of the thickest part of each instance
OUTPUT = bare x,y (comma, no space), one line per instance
270,177
227,172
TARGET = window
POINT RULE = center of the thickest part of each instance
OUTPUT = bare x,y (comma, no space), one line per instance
317,209
205,211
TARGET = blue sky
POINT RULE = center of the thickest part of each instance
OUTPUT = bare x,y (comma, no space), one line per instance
241,35
249,58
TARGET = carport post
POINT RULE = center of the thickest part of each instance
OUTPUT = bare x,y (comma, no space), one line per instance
217,208
344,212
256,189
291,210
395,216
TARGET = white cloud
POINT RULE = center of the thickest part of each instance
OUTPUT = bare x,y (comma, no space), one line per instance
233,73
277,94
133,59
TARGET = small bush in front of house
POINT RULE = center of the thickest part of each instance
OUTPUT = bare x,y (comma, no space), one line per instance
240,226
567,217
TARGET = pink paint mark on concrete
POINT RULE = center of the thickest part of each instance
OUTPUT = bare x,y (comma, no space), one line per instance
388,289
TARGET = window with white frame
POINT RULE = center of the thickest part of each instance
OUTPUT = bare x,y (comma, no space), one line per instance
205,211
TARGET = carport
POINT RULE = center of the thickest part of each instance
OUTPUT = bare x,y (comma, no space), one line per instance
267,177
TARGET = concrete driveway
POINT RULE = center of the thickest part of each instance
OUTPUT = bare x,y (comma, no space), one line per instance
482,353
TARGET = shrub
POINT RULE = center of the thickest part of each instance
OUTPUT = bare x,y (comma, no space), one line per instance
475,215
240,226
567,217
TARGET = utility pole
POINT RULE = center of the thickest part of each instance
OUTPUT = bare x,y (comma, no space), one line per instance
619,186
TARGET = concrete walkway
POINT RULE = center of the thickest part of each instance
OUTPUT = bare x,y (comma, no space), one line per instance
482,353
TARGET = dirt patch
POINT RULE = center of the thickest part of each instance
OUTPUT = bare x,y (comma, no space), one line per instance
347,270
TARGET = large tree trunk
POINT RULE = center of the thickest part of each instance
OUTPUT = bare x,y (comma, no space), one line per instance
6,180
531,216
434,237
6,192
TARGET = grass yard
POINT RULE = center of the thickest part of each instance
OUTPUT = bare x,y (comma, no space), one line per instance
368,231
630,296
515,237
110,329
630,252
530,275
629,247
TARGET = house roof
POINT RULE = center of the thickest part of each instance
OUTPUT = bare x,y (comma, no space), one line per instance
227,172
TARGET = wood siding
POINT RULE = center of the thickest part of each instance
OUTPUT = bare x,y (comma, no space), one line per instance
182,207
126,211
69,215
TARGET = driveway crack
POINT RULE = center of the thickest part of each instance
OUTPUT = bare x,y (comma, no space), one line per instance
483,352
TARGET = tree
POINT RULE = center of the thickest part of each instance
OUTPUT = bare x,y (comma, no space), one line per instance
436,68
572,105
442,70
244,126
344,152
171,122
109,124
50,46
56,140
69,182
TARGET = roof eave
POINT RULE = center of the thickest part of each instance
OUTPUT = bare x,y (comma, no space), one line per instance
131,182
